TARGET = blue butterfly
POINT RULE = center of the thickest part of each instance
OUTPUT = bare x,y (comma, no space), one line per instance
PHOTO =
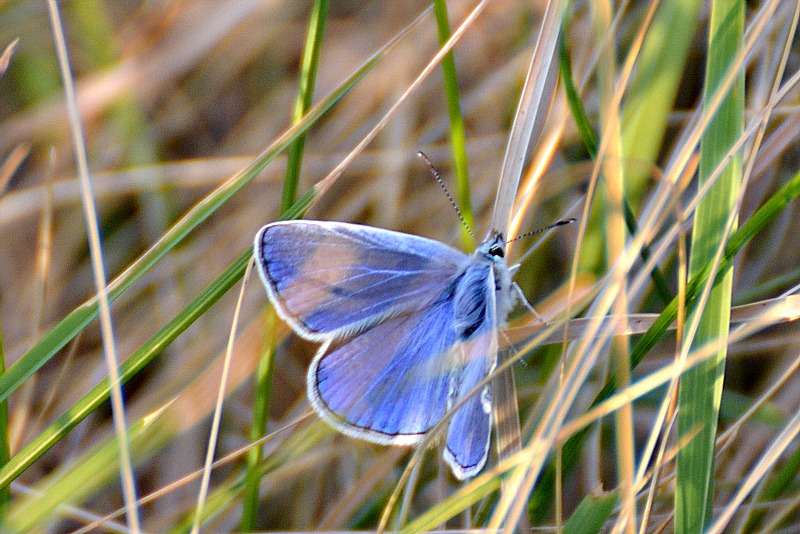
408,327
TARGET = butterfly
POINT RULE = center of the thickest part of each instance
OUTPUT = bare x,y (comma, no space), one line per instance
408,327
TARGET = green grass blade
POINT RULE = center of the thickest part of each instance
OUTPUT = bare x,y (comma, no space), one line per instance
305,94
650,97
263,389
701,387
592,513
265,371
573,98
457,131
776,488
589,138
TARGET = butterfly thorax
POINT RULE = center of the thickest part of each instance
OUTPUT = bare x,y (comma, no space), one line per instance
482,293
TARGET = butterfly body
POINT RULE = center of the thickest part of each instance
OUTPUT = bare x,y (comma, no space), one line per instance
408,328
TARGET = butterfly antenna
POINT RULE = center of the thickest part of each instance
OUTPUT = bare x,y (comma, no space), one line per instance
438,178
546,228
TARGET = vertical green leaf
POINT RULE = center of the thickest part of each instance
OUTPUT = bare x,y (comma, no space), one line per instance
701,387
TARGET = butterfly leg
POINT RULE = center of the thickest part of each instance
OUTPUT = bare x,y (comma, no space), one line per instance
536,315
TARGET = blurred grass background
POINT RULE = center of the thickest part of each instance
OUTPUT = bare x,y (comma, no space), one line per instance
177,97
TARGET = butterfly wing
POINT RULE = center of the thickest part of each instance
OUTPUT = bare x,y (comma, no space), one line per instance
389,384
330,280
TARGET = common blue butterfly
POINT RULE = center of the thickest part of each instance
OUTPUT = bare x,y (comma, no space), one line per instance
408,327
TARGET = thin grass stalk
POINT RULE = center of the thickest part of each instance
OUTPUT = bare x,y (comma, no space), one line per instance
309,67
98,270
5,452
213,435
700,389
266,365
610,205
457,130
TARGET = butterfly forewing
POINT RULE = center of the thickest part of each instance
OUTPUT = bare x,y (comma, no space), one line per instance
331,280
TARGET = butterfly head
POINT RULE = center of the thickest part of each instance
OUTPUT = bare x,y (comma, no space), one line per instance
494,248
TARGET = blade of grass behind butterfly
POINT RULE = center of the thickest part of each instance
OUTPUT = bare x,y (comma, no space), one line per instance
264,373
457,135
73,323
590,142
528,122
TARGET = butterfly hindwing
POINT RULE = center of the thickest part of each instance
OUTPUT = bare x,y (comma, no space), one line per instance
389,384
330,280
469,431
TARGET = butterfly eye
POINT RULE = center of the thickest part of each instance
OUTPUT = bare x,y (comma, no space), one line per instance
497,250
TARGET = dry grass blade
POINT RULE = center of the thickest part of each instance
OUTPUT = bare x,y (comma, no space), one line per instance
5,57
